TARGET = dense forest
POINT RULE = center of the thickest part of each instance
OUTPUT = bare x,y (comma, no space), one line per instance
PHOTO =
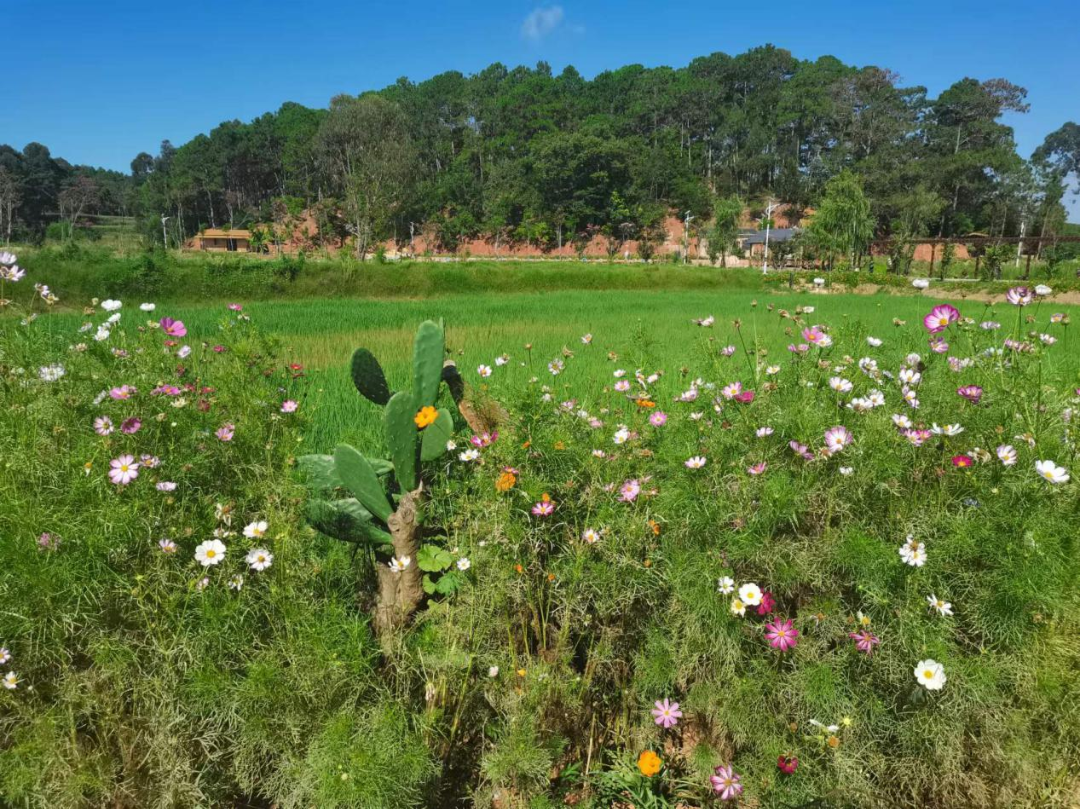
523,154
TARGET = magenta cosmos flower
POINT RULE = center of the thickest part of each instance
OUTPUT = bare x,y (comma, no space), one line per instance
658,419
123,470
940,318
865,641
289,406
938,345
666,713
226,432
767,605
122,392
173,328
787,764
746,397
782,634
130,426
725,783
543,509
1019,296
757,469
962,461
973,393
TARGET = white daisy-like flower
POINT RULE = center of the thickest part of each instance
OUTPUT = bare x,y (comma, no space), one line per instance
930,675
1007,455
750,594
256,530
493,672
591,536
259,559
725,585
696,462
399,563
484,371
148,307
11,681
874,342
738,607
463,564
5,656
469,455
913,552
111,305
210,553
943,607
1051,472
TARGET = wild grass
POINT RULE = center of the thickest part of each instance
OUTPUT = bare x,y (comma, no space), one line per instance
139,684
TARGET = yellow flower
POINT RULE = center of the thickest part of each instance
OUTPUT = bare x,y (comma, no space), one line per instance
426,416
649,763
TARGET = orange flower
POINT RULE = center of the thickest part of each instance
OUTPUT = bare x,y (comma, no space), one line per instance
426,416
649,763
505,482
655,526
519,568
560,445
646,403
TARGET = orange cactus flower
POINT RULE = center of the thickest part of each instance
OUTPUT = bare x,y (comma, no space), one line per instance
426,416
505,482
649,763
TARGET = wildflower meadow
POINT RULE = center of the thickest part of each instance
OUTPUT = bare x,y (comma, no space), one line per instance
582,549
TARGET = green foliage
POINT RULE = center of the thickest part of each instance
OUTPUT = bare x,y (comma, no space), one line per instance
357,475
436,435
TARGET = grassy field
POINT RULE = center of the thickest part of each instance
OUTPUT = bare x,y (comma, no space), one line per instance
643,328
908,522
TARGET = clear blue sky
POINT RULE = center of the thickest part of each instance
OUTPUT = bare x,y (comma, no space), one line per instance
98,82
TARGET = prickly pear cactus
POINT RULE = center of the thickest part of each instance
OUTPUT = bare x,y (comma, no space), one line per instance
416,433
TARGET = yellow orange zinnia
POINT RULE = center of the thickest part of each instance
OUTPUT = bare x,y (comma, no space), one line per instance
649,763
426,416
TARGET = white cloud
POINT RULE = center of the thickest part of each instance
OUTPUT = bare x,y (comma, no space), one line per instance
541,22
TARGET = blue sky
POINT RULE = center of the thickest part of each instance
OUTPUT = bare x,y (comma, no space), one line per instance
98,82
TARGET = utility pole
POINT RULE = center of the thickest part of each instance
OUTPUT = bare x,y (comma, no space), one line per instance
772,206
686,237
164,235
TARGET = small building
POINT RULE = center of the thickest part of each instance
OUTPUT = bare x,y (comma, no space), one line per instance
754,244
219,240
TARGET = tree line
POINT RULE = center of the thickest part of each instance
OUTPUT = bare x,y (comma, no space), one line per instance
525,155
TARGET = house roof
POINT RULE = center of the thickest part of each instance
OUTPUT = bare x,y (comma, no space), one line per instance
220,233
775,235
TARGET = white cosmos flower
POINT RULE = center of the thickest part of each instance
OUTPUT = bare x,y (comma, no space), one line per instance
5,656
469,455
256,530
484,371
913,552
111,305
11,681
1042,290
772,370
873,341
622,435
51,373
210,553
695,462
1051,472
463,564
590,535
102,333
943,607
840,385
725,585
259,559
930,675
148,307
1007,455
493,672
750,593
399,563
920,283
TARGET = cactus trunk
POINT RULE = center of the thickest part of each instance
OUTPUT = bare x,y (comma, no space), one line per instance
400,593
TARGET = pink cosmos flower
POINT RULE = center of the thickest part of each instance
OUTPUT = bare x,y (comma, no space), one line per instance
836,438
940,318
782,634
767,605
1019,296
801,348
727,351
543,509
173,328
166,390
973,393
226,432
484,439
746,397
917,437
130,426
289,406
815,336
235,307
167,546
658,419
865,640
787,764
938,345
801,450
166,486
666,713
962,461
725,783
48,542
123,392
123,470
758,468
629,491
219,349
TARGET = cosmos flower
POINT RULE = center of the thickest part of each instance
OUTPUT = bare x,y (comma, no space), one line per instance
259,559
1007,455
725,783
836,438
123,470
666,713
399,564
289,406
757,469
913,552
930,675
256,529
696,462
226,432
658,419
629,491
130,426
173,328
210,553
750,594
122,393
782,634
1051,472
591,536
787,764
865,641
962,461
725,585
1019,296
103,425
940,318
942,607
815,336
973,393
484,371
